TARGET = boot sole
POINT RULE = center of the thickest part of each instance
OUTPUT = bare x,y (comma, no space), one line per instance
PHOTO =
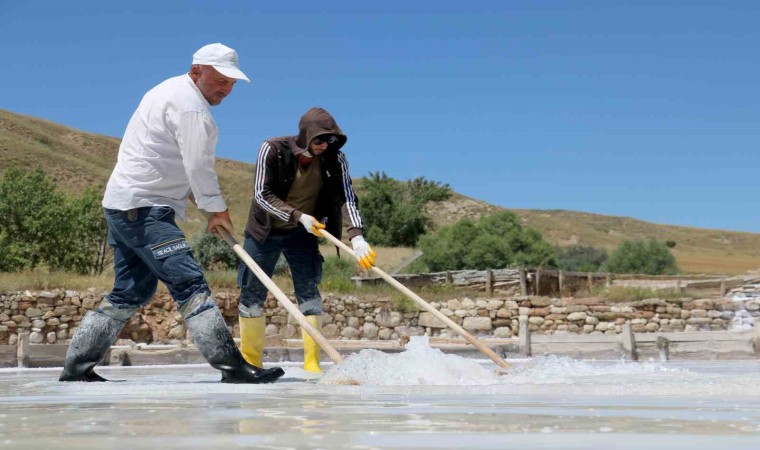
271,377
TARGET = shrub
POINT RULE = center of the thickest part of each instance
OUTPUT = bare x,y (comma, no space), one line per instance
40,226
494,241
392,209
213,253
580,258
642,257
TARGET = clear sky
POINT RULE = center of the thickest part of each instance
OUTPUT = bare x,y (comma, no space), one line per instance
634,108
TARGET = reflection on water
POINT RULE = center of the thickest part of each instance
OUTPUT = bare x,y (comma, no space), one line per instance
544,402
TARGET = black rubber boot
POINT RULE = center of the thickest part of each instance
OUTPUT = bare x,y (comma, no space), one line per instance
90,344
215,343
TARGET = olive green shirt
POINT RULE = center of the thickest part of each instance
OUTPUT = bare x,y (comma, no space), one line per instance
303,193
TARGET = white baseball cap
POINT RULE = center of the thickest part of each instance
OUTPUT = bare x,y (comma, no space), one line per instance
221,58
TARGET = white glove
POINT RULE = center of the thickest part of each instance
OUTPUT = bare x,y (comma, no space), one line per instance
311,224
363,252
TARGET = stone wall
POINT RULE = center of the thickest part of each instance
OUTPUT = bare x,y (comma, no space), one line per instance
52,316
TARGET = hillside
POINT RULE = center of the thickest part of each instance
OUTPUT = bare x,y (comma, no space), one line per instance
77,159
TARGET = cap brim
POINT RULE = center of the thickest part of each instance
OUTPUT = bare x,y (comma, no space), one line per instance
232,73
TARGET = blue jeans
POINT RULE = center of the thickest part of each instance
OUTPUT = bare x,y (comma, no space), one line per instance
148,246
302,253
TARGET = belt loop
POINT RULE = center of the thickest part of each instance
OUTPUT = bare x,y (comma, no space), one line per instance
132,215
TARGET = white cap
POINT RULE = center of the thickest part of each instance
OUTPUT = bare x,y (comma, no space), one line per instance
221,58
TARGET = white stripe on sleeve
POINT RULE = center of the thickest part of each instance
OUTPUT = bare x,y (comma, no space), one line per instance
353,211
258,189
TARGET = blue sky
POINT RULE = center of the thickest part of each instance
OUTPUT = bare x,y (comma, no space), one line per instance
642,109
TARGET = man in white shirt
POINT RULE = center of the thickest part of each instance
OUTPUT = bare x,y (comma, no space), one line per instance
166,156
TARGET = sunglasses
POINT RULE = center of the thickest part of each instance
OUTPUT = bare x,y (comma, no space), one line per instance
319,140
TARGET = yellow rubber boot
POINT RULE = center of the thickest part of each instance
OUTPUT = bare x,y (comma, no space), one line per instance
252,339
311,350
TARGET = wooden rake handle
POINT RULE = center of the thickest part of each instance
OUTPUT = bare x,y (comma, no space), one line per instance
280,296
425,305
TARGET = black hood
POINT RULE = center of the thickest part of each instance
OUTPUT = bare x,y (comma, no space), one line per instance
318,122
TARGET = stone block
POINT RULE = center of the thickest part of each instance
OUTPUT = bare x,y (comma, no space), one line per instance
454,304
502,333
33,312
389,319
370,331
427,319
575,316
328,331
350,333
467,303
477,324
540,302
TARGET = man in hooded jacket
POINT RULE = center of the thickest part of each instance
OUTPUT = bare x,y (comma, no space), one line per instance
302,184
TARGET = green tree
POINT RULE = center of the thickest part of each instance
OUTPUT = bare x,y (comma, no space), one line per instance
644,257
581,258
87,248
30,208
40,226
494,241
393,210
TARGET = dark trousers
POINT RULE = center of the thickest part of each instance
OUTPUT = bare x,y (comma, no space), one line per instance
302,254
148,246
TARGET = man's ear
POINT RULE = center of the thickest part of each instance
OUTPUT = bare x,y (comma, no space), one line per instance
195,72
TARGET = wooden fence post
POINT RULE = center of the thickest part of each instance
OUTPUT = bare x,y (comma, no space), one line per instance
523,282
722,287
449,277
609,279
590,281
663,344
537,284
757,337
561,282
22,350
678,287
524,337
629,342
489,283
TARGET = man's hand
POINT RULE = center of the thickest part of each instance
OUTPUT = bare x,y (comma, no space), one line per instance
311,224
220,219
363,252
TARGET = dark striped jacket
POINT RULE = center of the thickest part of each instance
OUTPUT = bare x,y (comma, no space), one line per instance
275,172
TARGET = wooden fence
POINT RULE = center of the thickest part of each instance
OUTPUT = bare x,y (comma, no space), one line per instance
559,283
700,345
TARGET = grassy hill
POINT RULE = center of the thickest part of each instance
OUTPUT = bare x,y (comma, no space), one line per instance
76,159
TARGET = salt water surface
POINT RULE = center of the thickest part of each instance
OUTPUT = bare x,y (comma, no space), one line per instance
418,399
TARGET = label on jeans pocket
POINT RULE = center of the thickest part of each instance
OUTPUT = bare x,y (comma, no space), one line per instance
167,249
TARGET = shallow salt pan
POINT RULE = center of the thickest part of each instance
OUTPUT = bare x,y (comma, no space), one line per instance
419,399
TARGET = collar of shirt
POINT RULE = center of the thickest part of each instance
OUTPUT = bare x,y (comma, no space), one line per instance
197,91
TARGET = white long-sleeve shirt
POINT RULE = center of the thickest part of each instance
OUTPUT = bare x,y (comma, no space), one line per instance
168,152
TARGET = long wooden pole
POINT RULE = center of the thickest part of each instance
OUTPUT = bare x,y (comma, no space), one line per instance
425,305
280,296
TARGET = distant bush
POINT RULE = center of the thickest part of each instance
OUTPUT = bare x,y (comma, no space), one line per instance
581,258
392,209
643,257
670,244
42,227
494,241
213,253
